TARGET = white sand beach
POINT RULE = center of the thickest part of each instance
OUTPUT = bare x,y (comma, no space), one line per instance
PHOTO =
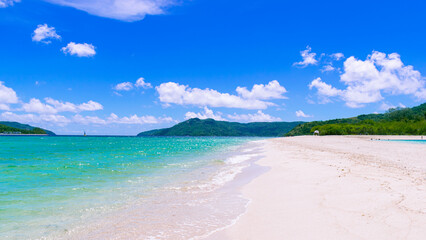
335,187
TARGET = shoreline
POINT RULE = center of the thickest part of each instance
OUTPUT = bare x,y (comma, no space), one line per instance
335,187
202,201
122,188
16,135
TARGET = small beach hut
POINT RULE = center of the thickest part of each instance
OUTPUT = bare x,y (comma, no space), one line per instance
316,133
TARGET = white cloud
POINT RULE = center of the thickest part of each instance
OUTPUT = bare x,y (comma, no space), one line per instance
328,68
87,120
90,106
36,106
7,3
308,58
7,96
61,106
53,106
387,106
33,118
141,83
124,86
127,86
367,80
61,120
134,119
79,49
337,56
43,33
126,10
259,116
208,113
324,90
300,113
71,107
256,117
272,90
4,107
172,92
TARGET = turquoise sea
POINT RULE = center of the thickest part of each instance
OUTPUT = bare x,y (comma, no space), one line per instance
119,187
408,141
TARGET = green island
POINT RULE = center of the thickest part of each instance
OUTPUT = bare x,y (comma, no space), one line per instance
210,127
15,128
396,121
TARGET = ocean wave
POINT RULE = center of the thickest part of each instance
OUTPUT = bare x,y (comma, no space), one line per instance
240,158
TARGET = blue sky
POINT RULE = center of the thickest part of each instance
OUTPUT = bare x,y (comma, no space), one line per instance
73,65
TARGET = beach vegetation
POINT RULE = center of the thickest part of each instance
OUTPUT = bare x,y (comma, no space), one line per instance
395,121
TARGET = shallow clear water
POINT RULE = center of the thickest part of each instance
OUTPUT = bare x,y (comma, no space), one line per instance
408,141
66,187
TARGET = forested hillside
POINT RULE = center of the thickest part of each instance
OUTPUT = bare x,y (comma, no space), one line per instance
210,127
396,121
14,127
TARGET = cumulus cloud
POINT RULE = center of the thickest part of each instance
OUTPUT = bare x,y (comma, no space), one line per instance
324,90
272,90
134,119
127,86
36,106
300,113
328,68
7,3
259,116
44,33
386,106
183,95
87,120
113,118
125,10
175,93
366,81
208,113
61,120
7,96
308,58
53,106
328,62
90,106
4,106
59,106
124,86
337,56
140,83
35,118
79,49
256,117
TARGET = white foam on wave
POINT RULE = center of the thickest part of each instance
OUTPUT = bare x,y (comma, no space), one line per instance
248,150
218,180
227,175
234,166
240,158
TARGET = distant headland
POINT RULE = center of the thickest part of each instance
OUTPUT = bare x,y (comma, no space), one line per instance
211,127
17,129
